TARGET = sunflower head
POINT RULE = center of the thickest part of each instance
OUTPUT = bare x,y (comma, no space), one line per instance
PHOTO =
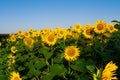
27,34
88,31
71,53
35,33
109,72
15,76
20,36
75,35
111,28
19,32
11,59
50,39
29,41
13,49
30,30
12,37
100,27
60,33
45,30
78,27
57,29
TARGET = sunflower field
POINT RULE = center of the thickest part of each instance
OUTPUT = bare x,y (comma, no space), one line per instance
89,52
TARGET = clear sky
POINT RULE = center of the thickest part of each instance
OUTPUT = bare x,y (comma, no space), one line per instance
38,14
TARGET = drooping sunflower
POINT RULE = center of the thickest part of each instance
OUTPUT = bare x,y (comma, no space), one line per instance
88,31
111,28
100,27
109,72
13,49
51,39
15,76
29,41
71,53
78,27
12,37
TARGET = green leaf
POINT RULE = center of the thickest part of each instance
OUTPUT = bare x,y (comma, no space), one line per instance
84,78
48,77
3,77
33,72
106,56
43,50
56,69
47,54
115,21
91,68
1,60
39,64
79,65
58,58
21,68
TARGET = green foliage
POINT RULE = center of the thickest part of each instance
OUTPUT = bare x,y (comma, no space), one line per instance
55,70
3,77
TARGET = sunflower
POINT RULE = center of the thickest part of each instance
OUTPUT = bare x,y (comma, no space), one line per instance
67,34
35,33
50,39
75,35
71,53
45,30
27,34
15,76
100,27
28,41
57,29
88,31
109,72
78,28
111,28
20,36
12,37
60,33
11,58
13,49
30,30
19,32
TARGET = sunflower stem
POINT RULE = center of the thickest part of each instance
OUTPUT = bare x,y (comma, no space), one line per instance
64,42
51,61
68,67
47,63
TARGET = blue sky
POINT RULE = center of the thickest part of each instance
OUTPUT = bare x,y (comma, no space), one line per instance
38,14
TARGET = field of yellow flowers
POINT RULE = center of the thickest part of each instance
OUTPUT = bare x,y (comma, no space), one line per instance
89,52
